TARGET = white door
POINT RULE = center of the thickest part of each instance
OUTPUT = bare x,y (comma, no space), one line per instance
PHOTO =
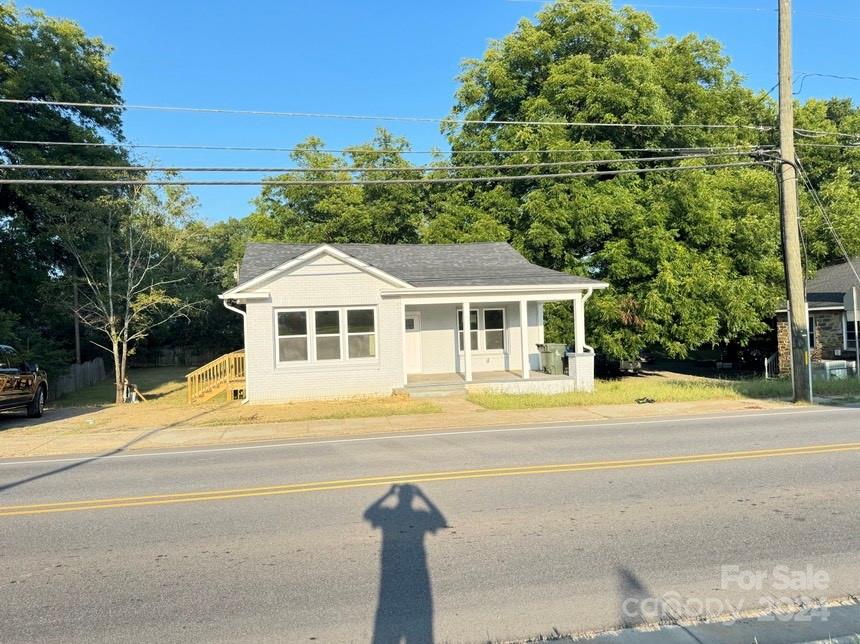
413,343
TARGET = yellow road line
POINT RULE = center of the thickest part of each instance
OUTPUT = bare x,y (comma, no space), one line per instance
418,477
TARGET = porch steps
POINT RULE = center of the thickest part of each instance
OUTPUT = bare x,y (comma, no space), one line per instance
432,390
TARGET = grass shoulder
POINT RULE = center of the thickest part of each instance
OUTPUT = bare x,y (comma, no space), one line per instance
633,389
166,404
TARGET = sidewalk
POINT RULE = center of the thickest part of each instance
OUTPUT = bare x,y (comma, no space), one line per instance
457,413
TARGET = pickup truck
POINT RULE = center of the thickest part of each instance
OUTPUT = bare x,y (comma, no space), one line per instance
21,385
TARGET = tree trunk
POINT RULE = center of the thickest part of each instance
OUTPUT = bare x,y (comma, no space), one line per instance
119,373
124,360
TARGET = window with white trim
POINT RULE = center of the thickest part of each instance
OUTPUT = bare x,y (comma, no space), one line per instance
473,327
293,336
494,329
327,334
324,335
849,334
361,333
487,329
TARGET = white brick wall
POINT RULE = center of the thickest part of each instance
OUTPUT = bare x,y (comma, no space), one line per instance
327,282
323,282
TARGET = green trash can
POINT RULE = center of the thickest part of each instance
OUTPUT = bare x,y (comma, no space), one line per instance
552,357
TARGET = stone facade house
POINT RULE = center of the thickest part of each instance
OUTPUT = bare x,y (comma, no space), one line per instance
831,316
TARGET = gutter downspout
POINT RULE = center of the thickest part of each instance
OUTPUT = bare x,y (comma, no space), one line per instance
244,315
585,297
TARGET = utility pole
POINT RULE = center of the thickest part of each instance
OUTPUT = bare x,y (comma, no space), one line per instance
798,318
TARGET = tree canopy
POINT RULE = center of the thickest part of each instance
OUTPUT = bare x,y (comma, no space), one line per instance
693,257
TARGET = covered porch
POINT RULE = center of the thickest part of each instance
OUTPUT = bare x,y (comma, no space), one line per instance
435,384
488,339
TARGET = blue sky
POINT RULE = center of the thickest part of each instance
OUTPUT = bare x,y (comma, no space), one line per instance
376,57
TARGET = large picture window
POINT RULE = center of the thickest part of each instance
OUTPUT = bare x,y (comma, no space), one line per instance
473,328
361,333
321,335
292,336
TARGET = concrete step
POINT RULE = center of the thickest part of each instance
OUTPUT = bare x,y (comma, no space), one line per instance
434,390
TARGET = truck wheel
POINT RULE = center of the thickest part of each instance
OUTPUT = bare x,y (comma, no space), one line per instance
37,405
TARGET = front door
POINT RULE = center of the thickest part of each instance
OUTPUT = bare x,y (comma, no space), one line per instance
413,343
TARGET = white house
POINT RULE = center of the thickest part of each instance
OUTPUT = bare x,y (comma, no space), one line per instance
333,320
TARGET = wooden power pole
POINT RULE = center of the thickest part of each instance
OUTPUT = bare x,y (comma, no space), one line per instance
798,318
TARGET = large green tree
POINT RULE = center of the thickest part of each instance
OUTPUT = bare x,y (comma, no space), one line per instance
692,257
48,59
344,213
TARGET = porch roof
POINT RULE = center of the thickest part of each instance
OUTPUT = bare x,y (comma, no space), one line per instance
425,265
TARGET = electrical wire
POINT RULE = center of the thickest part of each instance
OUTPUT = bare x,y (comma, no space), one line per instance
366,117
817,200
359,182
844,146
820,134
455,168
233,148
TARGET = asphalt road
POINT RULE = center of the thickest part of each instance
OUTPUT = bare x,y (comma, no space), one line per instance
492,535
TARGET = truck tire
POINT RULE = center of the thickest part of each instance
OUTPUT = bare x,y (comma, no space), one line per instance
37,405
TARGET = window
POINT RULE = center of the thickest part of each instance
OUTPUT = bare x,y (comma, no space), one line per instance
410,324
811,332
473,327
494,329
292,336
327,334
361,333
321,335
850,335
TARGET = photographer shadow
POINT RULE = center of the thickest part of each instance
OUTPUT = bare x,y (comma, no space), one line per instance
404,610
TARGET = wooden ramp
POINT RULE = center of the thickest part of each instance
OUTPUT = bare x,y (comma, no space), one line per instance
223,376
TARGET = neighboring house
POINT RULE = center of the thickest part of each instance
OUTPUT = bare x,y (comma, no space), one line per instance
330,320
831,325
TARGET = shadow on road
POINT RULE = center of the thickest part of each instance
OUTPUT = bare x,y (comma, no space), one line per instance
98,457
639,606
404,612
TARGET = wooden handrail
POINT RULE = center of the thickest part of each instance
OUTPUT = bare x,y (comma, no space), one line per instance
215,376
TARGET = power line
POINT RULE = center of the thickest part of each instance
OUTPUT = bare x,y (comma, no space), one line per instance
365,117
430,168
806,75
697,7
234,148
359,182
817,200
820,134
845,146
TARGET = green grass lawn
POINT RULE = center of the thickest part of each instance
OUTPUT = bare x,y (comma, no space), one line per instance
781,388
628,390
611,392
163,384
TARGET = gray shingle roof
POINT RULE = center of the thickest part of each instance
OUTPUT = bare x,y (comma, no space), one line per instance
830,284
484,264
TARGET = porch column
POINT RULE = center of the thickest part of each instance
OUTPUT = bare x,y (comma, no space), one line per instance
467,342
578,324
524,337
